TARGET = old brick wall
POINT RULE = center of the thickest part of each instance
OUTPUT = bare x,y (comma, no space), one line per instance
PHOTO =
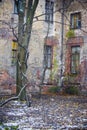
36,46
6,36
79,33
7,84
39,33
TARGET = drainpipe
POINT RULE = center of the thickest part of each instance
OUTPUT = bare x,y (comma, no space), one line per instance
61,44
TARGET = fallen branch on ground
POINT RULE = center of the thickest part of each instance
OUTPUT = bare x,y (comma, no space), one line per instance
13,98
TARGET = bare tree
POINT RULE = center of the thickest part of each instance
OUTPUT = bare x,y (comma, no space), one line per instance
26,10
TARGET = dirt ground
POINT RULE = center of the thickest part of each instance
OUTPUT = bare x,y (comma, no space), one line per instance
47,113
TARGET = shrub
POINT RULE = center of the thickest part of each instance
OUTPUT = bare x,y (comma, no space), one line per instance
54,89
72,90
6,128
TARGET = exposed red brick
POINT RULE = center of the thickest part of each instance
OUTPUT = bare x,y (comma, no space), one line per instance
70,43
7,83
51,41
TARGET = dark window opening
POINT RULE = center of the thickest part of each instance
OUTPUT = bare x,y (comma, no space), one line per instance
75,59
48,56
15,7
75,21
0,0
49,7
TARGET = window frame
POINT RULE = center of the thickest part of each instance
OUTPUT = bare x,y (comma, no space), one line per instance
14,51
74,69
15,8
49,7
48,56
75,20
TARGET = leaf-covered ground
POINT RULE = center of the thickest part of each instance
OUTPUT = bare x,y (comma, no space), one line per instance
47,113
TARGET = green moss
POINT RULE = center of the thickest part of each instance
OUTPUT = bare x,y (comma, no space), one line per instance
70,34
4,127
14,127
54,69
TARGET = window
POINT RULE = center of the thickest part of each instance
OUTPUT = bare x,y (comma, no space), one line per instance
75,59
49,6
14,51
76,20
48,56
15,7
0,0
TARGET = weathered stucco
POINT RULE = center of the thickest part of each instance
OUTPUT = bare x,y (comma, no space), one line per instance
39,32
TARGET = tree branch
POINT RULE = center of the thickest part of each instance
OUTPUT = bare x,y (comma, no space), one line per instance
13,98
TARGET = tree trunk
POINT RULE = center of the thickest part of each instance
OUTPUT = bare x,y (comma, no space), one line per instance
24,34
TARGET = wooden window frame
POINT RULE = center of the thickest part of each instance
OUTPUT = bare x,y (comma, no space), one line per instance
74,66
74,41
49,7
75,20
14,51
15,8
48,56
